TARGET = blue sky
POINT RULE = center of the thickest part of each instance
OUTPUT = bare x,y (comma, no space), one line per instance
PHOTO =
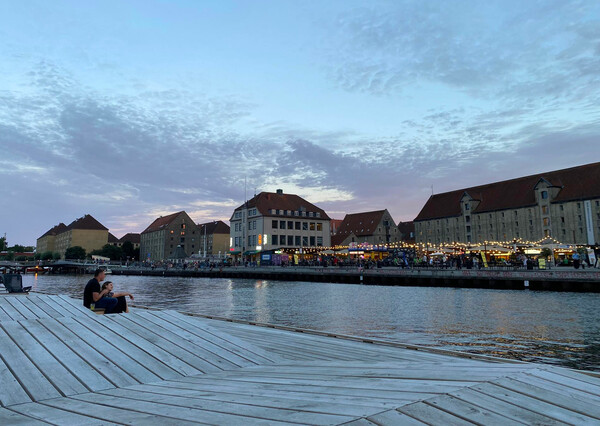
131,109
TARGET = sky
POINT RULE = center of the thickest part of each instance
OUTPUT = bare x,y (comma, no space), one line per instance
128,110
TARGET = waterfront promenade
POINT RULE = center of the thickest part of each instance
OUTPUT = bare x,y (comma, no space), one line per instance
62,364
557,279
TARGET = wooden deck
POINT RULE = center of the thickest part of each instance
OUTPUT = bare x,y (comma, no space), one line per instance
62,364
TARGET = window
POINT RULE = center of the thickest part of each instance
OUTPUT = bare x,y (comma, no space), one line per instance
544,196
468,229
274,239
274,224
282,224
319,241
312,228
290,224
297,225
517,224
290,240
182,240
546,222
319,226
502,214
491,226
467,206
578,205
597,203
305,226
546,232
468,219
562,219
544,209
304,241
312,241
530,222
581,230
516,213
297,240
317,214
562,207
182,233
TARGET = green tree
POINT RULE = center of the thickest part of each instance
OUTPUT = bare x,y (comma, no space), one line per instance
128,250
37,256
136,253
2,243
47,255
75,253
18,248
21,258
110,251
56,255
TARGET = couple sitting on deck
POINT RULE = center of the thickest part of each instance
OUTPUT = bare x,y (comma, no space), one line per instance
102,297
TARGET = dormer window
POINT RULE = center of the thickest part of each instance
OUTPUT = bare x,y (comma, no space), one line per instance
467,206
544,195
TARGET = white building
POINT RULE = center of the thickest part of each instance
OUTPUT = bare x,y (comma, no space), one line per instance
271,221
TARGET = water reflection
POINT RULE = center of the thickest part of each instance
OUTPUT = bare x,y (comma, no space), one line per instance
549,327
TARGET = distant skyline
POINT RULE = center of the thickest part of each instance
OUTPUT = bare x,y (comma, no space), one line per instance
128,110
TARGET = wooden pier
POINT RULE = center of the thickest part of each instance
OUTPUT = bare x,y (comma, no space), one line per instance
62,364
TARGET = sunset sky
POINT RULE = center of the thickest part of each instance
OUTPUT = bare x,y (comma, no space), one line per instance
128,110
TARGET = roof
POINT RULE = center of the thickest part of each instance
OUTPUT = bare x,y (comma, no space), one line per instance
55,230
161,222
406,228
112,238
131,237
576,183
338,239
214,227
266,201
178,253
360,224
86,222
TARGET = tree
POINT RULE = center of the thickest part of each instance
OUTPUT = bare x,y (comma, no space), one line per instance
110,251
37,256
136,254
75,253
47,255
56,255
2,243
18,248
128,250
21,258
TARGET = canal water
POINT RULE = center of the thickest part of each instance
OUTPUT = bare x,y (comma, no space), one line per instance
547,327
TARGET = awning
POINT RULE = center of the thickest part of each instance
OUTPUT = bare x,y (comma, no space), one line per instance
249,252
235,252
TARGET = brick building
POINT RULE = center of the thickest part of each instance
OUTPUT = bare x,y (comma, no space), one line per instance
272,220
563,204
159,241
376,227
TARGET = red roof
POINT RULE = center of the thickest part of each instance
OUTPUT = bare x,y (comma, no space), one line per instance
161,222
576,183
215,227
86,222
266,201
112,238
406,228
55,230
360,224
133,238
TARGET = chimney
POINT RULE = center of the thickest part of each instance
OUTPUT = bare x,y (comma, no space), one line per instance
280,191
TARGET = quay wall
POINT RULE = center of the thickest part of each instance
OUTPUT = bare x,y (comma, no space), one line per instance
552,280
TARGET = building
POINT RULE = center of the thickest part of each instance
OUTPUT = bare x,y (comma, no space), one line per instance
407,232
84,232
214,238
376,227
334,224
274,220
131,237
47,241
112,240
159,241
563,204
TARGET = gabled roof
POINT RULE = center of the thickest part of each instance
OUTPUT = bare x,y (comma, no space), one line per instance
576,183
55,230
133,238
360,224
406,228
112,238
338,239
87,222
162,222
214,227
266,201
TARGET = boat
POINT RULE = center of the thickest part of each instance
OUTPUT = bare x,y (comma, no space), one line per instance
36,270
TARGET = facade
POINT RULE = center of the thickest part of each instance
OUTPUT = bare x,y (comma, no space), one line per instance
159,241
407,232
47,241
274,220
131,237
335,225
563,204
376,227
85,232
214,238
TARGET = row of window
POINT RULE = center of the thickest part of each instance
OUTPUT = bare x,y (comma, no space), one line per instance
304,226
296,240
301,213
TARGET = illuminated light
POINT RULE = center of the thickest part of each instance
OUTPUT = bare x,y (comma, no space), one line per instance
259,239
265,240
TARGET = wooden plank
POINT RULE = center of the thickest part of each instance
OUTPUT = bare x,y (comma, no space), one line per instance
212,349
11,391
504,408
186,355
392,418
8,417
52,309
68,304
258,409
14,314
175,412
114,414
97,328
52,415
533,404
573,374
184,343
431,415
27,308
470,412
259,355
585,386
3,315
53,370
104,346
556,387
361,422
103,365
581,405
31,379
77,365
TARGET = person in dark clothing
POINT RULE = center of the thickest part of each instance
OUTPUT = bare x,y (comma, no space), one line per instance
121,298
93,294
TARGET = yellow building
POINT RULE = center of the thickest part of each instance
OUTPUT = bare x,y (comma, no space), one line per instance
85,232
47,241
214,239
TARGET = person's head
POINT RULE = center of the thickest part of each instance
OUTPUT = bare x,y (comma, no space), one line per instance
108,285
99,274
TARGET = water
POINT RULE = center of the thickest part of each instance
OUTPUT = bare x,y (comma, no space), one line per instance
548,327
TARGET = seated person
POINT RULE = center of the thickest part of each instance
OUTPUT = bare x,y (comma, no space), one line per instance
93,294
121,300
